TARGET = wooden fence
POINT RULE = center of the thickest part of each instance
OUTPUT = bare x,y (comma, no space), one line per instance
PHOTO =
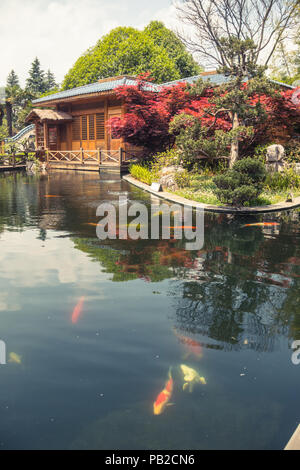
14,161
97,157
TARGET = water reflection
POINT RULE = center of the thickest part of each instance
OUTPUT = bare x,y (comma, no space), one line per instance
229,311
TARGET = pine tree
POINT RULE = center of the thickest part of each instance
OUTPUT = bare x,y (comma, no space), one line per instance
12,80
50,83
35,83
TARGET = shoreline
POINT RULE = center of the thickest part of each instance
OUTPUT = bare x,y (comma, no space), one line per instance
282,206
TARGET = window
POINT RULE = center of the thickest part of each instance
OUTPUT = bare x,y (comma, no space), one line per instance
92,127
100,129
88,127
84,128
76,128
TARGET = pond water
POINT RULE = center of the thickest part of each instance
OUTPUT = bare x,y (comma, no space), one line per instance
229,311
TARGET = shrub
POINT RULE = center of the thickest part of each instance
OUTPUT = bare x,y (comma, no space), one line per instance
160,160
284,180
242,183
183,179
141,173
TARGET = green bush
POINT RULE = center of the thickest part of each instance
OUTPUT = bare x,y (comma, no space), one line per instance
242,183
160,160
141,173
183,179
287,179
292,150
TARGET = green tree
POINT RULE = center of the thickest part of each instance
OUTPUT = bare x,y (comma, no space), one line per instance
241,44
35,82
50,83
175,48
126,50
12,80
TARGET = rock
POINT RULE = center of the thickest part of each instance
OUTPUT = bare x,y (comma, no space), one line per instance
171,169
297,168
276,167
275,153
167,179
168,182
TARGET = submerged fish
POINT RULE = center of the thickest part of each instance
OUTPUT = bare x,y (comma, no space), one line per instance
51,195
262,224
14,357
77,310
192,346
164,397
190,378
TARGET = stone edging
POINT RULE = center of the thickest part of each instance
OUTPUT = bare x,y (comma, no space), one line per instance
282,206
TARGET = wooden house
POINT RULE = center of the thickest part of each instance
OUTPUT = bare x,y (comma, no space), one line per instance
71,125
72,131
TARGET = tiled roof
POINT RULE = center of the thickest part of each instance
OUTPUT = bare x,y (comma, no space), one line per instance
111,84
215,79
98,87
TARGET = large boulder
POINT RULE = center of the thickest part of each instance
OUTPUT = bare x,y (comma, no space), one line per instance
275,158
275,153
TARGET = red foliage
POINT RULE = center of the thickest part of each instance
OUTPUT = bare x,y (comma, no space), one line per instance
149,113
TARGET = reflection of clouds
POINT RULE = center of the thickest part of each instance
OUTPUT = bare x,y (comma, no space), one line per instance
27,261
7,303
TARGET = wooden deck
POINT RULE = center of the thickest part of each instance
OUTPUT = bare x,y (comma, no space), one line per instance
90,160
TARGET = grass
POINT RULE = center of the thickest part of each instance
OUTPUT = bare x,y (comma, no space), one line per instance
201,186
201,190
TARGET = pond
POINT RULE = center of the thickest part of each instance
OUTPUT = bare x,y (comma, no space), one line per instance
87,377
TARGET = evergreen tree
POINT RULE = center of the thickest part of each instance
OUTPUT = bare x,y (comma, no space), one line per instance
50,83
35,83
12,80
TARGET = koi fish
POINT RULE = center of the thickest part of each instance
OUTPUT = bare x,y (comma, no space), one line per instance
51,195
14,357
164,397
190,378
92,224
262,224
192,346
77,310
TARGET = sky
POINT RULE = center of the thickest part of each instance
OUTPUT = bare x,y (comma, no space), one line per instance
59,31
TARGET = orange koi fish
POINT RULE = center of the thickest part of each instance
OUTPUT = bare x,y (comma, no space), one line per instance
77,310
262,224
192,346
51,195
164,397
92,224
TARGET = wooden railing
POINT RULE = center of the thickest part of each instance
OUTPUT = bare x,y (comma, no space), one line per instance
13,160
98,157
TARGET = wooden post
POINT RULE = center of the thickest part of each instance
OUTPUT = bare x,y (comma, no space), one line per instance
45,135
82,156
47,155
99,156
105,123
13,160
121,154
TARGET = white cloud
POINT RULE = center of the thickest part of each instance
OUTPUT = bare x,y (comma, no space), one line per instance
59,31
